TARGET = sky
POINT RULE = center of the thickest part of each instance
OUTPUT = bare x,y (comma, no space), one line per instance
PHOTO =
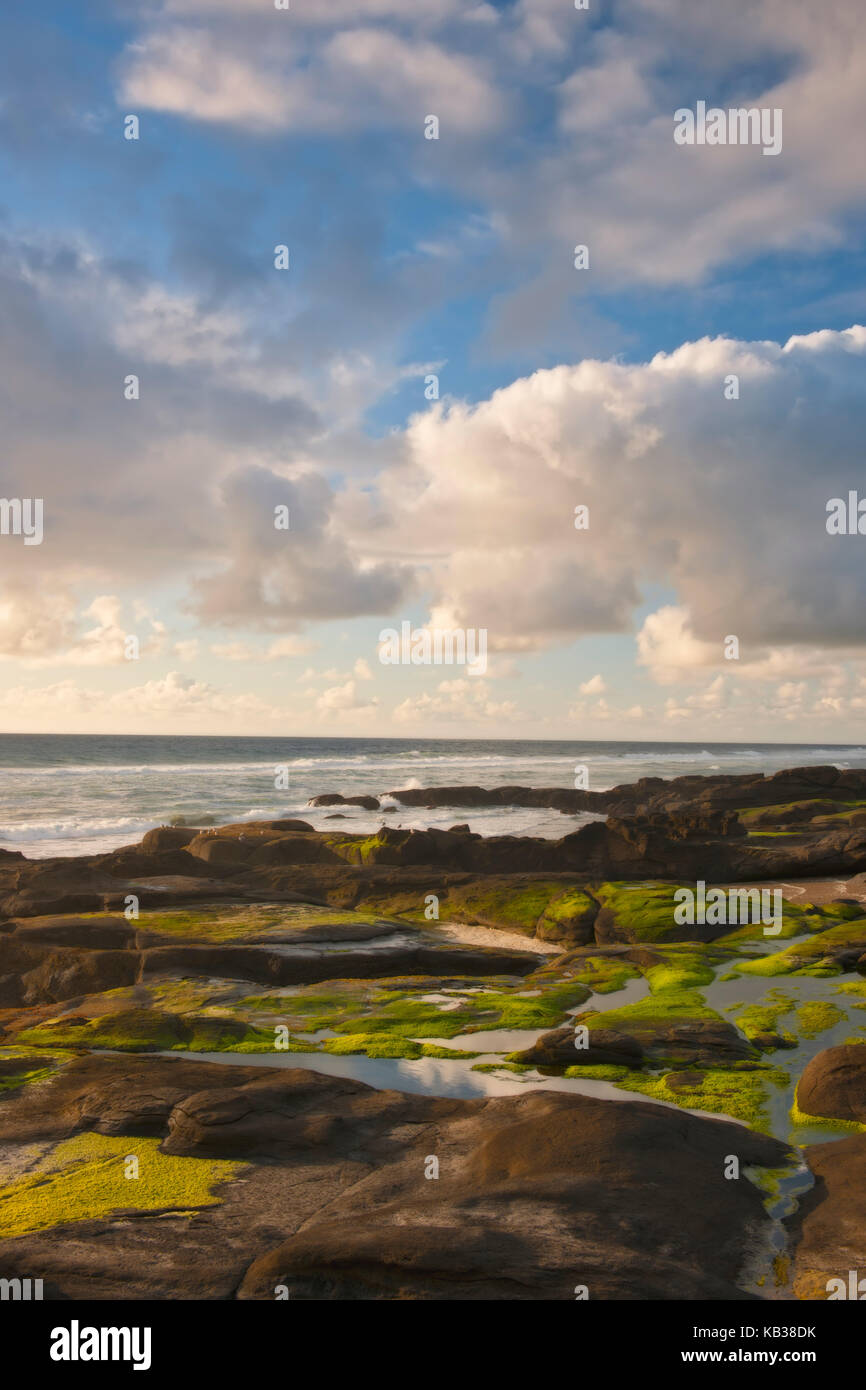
437,379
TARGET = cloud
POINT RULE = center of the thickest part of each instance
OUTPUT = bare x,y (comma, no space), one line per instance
278,650
266,78
601,166
40,626
458,700
175,698
343,699
280,578
723,502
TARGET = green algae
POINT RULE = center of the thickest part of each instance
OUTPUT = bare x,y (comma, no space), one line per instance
373,1007
356,849
83,1179
573,906
546,904
818,1016
671,1004
517,1067
797,920
493,1009
242,922
743,1095
680,971
760,1021
605,974
382,1045
768,1180
645,912
802,1118
598,1072
546,907
781,812
815,956
20,1066
149,1030
519,911
642,911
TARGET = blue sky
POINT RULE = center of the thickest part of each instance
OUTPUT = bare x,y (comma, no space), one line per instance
410,256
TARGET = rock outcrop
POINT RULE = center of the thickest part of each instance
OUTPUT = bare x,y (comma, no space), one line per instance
536,1196
650,795
833,1085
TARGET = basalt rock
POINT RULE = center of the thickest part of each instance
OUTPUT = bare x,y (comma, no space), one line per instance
369,803
102,933
650,795
169,837
833,1084
828,1231
704,843
605,1048
36,973
287,965
536,1193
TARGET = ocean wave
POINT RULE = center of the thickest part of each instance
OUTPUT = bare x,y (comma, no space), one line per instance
75,829
637,756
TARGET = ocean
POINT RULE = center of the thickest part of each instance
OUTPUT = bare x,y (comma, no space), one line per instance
80,794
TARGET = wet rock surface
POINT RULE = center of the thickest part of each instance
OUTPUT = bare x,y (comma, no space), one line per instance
829,1230
436,947
657,794
535,1195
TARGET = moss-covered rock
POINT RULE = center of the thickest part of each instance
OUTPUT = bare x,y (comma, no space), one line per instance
744,1095
605,974
828,952
760,1022
85,1178
149,1030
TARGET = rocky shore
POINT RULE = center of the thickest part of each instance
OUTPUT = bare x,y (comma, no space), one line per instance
427,1064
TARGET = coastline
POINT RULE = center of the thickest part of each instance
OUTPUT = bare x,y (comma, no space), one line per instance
241,994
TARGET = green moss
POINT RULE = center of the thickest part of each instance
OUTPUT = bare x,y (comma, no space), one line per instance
666,1006
797,919
150,1030
643,911
679,972
605,974
225,1035
815,956
21,1066
802,1118
356,849
817,1017
131,1030
744,1095
761,1020
83,1179
769,1180
396,1008
377,1045
241,922
517,1067
517,909
599,1072
787,811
